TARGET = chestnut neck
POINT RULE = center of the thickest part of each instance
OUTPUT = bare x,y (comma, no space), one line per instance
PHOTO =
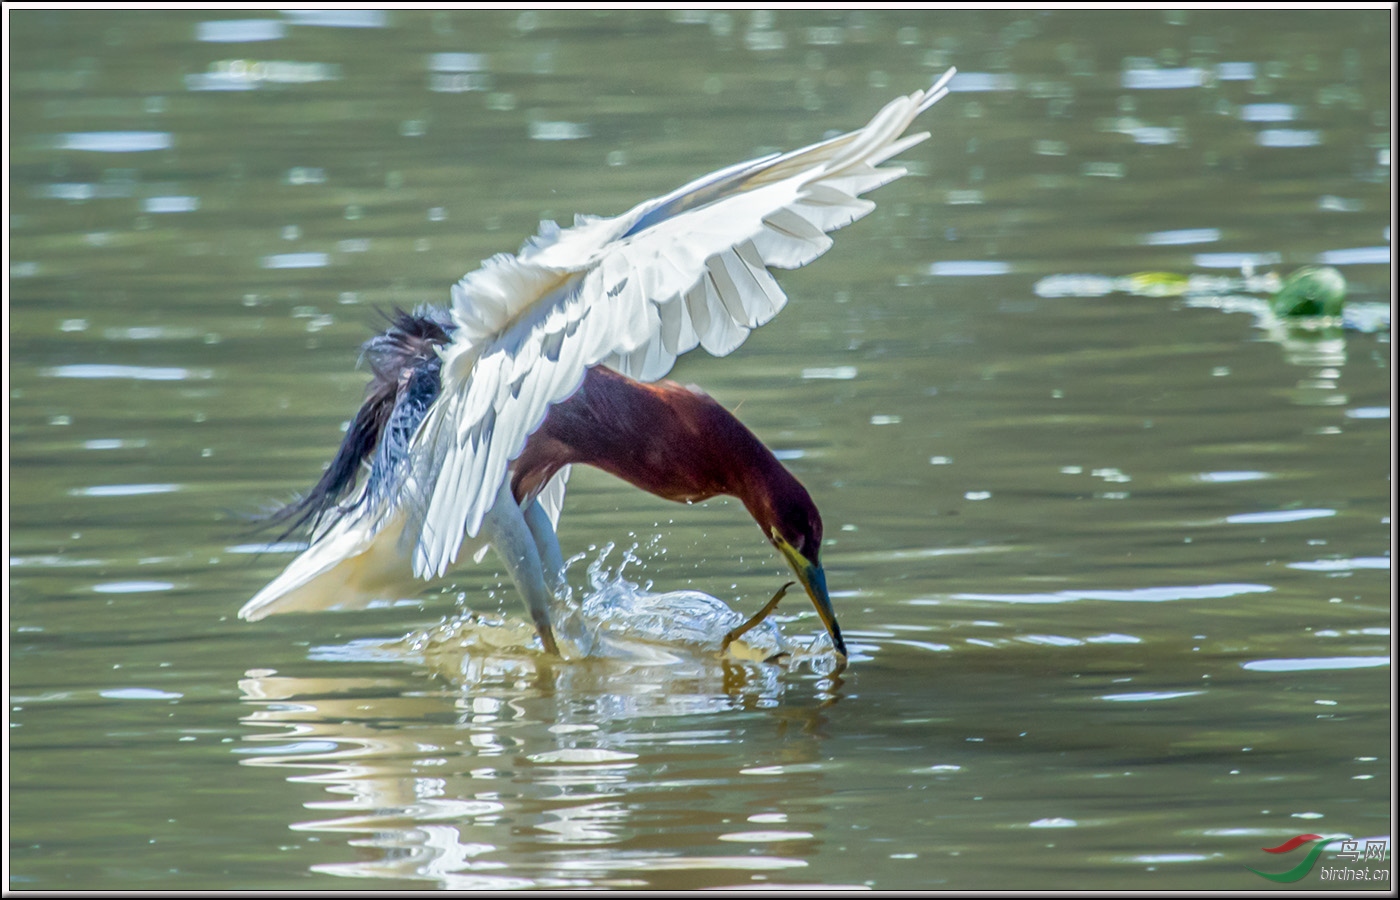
672,441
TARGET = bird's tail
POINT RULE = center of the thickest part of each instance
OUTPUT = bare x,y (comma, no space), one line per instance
355,557
355,564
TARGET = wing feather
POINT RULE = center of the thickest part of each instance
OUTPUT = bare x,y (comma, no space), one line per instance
551,496
635,291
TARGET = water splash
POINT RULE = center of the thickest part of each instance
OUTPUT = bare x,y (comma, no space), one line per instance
619,619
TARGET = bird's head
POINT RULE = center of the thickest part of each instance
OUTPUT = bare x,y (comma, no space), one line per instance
795,529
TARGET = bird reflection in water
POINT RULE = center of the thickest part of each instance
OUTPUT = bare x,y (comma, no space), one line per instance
551,358
490,770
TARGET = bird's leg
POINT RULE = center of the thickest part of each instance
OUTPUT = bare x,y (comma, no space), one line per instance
736,633
546,542
568,617
515,542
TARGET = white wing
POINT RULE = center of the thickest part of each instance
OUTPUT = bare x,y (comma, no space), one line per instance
632,292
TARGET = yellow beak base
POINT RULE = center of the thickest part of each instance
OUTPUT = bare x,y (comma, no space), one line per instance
813,579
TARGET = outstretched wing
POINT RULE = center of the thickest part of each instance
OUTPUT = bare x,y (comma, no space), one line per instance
632,292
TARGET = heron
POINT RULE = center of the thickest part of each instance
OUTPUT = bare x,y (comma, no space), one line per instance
555,356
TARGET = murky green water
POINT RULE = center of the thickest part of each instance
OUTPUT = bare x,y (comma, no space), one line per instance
1116,567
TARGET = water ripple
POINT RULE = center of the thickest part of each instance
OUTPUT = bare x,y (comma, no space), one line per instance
171,204
137,373
833,373
338,18
297,748
1316,663
139,694
765,837
1231,477
123,490
1356,256
237,31
1138,595
1148,696
559,131
1288,137
1163,79
581,756
295,261
1181,236
1268,112
1279,515
979,82
1235,71
132,587
1343,565
115,141
1236,261
969,267
457,62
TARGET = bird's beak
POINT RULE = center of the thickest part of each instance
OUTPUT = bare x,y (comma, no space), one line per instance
813,578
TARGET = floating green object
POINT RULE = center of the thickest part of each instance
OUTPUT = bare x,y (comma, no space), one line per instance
1158,284
1311,291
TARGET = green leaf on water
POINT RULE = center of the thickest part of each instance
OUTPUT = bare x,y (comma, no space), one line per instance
1311,291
